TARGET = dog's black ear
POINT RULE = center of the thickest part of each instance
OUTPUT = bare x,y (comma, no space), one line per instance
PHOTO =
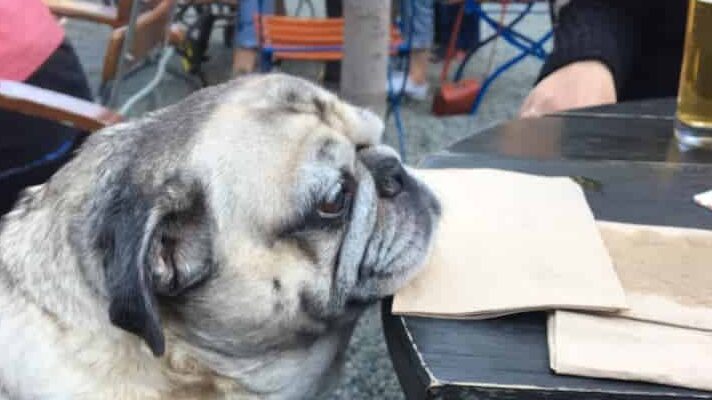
154,244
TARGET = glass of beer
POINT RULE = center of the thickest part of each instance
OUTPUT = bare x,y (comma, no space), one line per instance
693,125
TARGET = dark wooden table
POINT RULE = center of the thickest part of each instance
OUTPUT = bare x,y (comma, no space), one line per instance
628,148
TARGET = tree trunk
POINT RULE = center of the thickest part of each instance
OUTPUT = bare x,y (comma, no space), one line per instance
366,37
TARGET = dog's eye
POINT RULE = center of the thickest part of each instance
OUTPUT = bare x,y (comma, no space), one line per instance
337,202
333,208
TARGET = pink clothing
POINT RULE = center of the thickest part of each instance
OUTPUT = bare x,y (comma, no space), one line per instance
29,34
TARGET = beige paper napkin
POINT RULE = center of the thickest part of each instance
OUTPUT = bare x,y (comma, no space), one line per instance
510,242
664,336
666,272
621,348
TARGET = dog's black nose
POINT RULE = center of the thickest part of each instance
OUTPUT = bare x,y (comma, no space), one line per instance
390,178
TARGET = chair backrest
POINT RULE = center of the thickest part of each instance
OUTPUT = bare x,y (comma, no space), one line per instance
291,31
150,32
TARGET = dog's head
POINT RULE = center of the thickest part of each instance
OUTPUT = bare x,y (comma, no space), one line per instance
249,215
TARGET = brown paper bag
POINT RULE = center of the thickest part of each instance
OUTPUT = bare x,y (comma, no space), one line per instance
511,242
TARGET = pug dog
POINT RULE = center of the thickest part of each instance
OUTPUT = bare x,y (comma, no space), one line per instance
220,248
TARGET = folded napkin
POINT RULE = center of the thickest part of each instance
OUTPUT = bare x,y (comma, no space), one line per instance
666,272
665,334
511,242
621,348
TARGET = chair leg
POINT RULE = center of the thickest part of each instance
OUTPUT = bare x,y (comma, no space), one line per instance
197,80
154,100
266,61
166,55
502,68
125,50
104,93
400,132
199,38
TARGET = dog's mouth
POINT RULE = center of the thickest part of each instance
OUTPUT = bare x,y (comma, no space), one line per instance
399,244
386,243
395,260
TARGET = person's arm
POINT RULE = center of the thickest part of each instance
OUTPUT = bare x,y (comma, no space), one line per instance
595,42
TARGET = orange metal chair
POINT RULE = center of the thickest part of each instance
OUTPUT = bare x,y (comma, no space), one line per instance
306,39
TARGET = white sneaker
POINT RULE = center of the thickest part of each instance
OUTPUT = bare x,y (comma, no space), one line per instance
416,91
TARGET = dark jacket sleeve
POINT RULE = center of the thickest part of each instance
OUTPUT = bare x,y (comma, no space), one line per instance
599,30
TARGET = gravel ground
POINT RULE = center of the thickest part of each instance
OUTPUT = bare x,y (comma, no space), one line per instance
369,373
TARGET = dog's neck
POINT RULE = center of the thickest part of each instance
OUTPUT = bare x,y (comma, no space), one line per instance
35,254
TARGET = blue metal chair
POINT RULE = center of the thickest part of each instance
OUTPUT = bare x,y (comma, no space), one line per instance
526,45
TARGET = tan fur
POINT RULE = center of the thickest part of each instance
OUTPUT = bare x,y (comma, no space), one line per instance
206,190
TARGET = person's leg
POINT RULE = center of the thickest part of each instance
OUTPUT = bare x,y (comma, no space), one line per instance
439,33
419,63
469,36
246,42
419,13
418,27
32,149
